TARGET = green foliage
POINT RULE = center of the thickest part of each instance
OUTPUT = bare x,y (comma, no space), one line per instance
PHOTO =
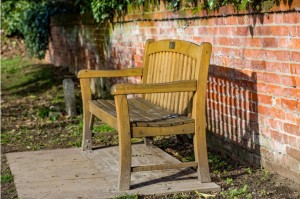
229,181
36,28
216,162
43,112
237,193
127,196
6,178
12,16
103,128
31,19
106,9
249,170
239,4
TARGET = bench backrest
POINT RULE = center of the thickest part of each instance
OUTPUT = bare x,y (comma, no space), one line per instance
173,60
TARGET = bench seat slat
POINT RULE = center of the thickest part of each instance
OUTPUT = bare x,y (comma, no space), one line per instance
143,113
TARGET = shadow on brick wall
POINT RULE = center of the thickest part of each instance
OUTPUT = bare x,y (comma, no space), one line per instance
232,117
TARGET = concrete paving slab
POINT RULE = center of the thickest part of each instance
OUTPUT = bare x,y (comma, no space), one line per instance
70,173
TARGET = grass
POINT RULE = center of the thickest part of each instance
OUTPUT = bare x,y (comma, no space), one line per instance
21,77
127,196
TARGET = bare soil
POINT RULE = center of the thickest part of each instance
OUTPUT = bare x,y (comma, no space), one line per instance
33,118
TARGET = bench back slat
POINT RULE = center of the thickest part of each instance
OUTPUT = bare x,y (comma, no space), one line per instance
172,60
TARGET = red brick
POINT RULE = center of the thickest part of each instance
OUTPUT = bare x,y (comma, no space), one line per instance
275,124
242,31
295,69
280,31
295,43
293,152
269,89
226,31
241,20
283,55
278,67
235,41
297,81
295,56
290,81
277,136
289,104
220,21
201,31
283,42
268,55
292,129
292,18
263,31
231,20
270,42
264,110
268,77
267,18
278,18
252,53
252,42
223,41
294,31
212,30
277,113
291,93
292,140
264,99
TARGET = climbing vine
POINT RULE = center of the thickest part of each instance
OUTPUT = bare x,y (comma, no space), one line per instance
107,9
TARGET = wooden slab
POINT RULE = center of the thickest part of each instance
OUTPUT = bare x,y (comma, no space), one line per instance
70,173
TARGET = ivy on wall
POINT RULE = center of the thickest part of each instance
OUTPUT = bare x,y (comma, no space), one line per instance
31,20
107,9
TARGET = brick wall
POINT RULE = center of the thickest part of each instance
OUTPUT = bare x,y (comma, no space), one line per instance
253,96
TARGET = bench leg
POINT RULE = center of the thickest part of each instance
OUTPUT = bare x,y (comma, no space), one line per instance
200,150
87,132
124,142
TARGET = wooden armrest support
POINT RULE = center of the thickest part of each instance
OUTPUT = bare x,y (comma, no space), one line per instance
178,86
110,73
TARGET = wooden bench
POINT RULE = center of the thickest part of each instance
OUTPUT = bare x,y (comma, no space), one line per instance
173,88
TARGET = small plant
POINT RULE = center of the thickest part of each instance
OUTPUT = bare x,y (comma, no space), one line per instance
188,158
229,181
266,175
5,178
263,193
103,128
43,112
237,193
127,196
249,170
216,162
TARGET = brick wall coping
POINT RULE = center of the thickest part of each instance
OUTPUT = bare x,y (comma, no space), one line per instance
167,15
189,14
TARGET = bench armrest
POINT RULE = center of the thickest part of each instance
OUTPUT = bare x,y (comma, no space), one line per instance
178,86
110,73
